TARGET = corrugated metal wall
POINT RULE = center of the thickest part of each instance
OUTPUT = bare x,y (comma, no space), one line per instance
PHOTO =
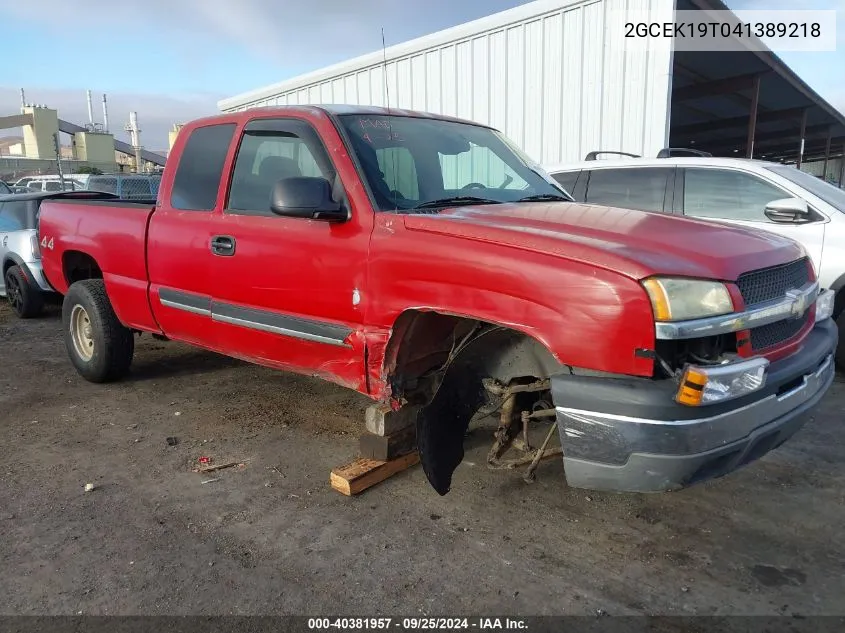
834,169
559,83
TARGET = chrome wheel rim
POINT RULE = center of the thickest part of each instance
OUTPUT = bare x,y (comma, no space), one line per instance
81,333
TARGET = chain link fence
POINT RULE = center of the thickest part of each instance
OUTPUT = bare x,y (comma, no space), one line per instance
33,175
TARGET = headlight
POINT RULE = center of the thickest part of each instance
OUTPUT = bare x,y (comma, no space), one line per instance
681,299
824,305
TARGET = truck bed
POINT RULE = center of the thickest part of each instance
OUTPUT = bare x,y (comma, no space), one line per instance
112,234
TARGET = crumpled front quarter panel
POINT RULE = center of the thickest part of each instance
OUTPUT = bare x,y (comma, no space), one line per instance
586,316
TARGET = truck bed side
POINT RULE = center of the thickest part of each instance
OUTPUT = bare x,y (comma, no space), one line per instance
109,237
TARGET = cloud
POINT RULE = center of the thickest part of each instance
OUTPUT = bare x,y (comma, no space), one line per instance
296,30
156,113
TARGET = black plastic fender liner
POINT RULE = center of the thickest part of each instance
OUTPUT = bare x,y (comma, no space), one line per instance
497,353
441,427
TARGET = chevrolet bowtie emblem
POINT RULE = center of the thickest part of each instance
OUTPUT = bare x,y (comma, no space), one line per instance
799,302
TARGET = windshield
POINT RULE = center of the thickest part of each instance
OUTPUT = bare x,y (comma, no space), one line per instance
410,161
834,196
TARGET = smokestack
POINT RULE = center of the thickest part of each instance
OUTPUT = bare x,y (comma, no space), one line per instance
135,135
90,109
23,100
105,114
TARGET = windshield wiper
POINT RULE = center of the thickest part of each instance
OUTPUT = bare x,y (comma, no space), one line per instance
545,197
455,201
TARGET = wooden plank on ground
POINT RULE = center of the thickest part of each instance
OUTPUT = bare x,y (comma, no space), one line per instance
364,473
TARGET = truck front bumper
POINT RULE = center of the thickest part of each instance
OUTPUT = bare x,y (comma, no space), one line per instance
628,434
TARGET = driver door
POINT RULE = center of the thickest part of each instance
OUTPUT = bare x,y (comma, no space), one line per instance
289,292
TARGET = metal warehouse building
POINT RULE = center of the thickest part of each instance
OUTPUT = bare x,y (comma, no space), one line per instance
557,77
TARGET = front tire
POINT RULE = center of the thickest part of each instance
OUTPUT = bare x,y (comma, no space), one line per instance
26,301
98,344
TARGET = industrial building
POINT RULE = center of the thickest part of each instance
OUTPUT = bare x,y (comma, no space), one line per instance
92,145
558,78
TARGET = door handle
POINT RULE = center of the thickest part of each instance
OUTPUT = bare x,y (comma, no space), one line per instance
223,245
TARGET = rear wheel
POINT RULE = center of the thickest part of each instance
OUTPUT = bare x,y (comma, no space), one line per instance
98,344
25,300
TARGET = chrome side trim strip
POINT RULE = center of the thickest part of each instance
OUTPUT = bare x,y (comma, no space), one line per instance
265,327
262,320
182,306
793,305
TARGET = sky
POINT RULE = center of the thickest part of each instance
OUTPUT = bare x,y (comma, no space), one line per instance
172,60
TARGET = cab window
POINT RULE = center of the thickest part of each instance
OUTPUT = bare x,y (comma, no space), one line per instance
728,194
643,188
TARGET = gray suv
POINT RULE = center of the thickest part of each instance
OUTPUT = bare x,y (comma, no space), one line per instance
23,282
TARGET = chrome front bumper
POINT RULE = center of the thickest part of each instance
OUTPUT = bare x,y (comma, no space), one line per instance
635,438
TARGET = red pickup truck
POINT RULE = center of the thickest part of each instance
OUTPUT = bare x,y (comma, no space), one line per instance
426,262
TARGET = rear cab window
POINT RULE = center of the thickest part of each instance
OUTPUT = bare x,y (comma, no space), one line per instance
201,168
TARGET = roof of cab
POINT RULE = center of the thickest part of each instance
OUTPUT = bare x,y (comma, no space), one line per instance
332,110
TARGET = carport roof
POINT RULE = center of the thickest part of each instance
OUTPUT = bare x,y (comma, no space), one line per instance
712,97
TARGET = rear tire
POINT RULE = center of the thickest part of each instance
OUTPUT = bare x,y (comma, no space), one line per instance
98,344
26,301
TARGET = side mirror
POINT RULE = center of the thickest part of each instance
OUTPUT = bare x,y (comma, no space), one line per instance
303,197
788,211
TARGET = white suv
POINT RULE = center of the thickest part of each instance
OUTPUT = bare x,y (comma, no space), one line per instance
759,194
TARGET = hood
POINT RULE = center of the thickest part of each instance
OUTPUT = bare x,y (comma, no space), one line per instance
634,243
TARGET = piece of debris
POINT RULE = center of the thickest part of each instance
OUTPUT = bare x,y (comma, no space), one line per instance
588,498
131,426
293,496
178,413
685,589
89,487
434,517
205,460
267,484
209,469
172,441
209,481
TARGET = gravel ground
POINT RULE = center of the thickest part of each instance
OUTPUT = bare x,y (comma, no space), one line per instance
271,537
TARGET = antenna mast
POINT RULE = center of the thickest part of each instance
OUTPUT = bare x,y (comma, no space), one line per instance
384,71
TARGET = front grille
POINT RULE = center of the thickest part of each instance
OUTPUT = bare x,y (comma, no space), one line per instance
766,336
766,284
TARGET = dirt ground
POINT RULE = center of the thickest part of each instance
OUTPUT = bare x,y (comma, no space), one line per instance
273,538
